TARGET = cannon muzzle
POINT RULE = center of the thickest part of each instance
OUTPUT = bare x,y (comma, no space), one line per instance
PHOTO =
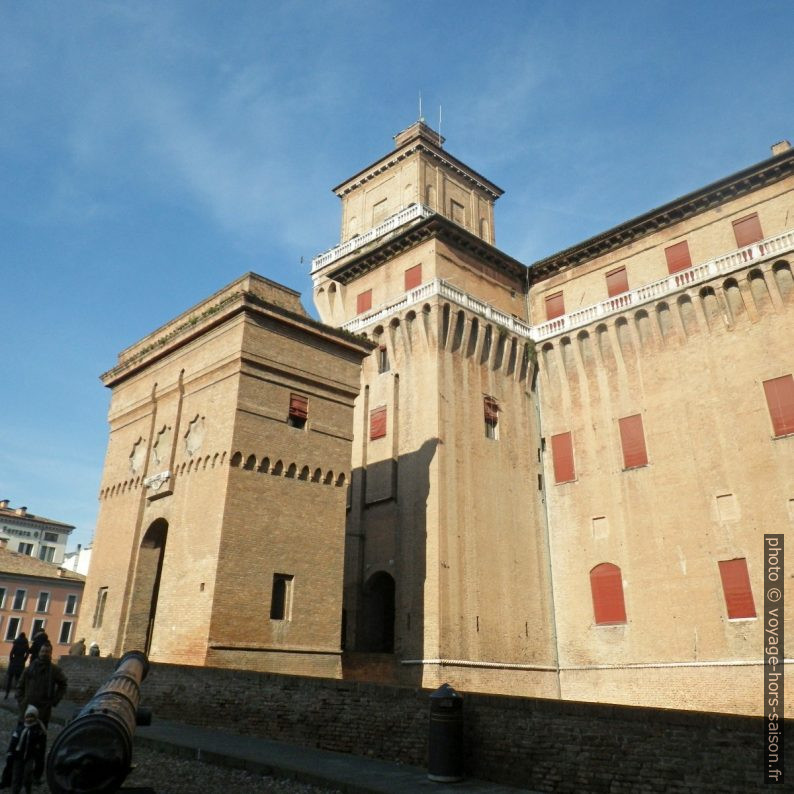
93,753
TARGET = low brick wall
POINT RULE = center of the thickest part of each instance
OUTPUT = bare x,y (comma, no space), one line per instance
547,745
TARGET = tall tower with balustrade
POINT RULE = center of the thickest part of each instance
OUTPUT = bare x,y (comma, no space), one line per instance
447,563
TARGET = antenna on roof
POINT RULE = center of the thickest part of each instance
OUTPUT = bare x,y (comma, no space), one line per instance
420,107
439,125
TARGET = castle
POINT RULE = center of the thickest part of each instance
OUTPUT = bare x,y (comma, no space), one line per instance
549,480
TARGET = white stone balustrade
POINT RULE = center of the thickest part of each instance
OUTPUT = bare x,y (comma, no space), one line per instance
390,224
720,265
445,290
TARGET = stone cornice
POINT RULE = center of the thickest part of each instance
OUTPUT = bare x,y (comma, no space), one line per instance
713,195
414,147
217,314
435,227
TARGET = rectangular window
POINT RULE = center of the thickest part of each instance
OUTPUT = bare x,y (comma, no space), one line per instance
43,602
747,230
377,423
99,609
617,282
491,416
19,599
364,301
25,548
13,628
678,257
632,439
780,401
562,456
66,632
2,598
51,537
298,410
38,625
555,306
281,599
71,605
383,359
47,553
413,277
736,588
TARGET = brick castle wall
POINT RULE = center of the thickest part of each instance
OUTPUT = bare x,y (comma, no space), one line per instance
545,745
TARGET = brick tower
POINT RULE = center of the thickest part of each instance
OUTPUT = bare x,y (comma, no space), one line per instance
446,564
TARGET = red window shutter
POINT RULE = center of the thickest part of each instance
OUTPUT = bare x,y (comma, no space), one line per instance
562,455
491,410
736,587
617,282
298,406
780,400
364,301
413,277
606,584
555,306
632,439
377,423
678,257
747,230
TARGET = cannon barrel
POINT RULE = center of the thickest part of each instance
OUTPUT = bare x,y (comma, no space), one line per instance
93,753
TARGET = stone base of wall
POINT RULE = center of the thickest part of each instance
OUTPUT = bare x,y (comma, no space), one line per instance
491,680
544,745
727,689
322,665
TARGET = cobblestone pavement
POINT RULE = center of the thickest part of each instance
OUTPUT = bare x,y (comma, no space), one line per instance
168,774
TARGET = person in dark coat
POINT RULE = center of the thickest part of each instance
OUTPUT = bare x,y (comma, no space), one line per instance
39,639
16,660
26,752
42,685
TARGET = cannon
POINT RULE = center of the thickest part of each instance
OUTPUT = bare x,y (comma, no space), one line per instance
93,753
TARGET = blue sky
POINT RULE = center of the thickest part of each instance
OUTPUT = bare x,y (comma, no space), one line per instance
151,152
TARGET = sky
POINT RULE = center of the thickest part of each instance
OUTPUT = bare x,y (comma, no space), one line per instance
152,152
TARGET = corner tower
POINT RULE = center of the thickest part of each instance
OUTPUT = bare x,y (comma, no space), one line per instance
446,569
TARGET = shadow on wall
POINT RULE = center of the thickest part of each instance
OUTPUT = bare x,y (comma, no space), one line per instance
386,567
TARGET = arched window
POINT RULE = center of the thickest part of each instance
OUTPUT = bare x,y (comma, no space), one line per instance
606,585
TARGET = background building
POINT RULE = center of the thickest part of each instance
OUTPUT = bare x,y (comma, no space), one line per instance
35,594
33,535
78,560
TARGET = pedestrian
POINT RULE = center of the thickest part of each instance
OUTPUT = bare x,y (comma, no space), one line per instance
93,650
42,685
26,751
16,661
77,648
39,638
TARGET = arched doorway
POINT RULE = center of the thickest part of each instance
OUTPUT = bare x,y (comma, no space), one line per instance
377,614
143,607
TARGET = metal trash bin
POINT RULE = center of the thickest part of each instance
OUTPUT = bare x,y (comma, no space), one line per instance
445,738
